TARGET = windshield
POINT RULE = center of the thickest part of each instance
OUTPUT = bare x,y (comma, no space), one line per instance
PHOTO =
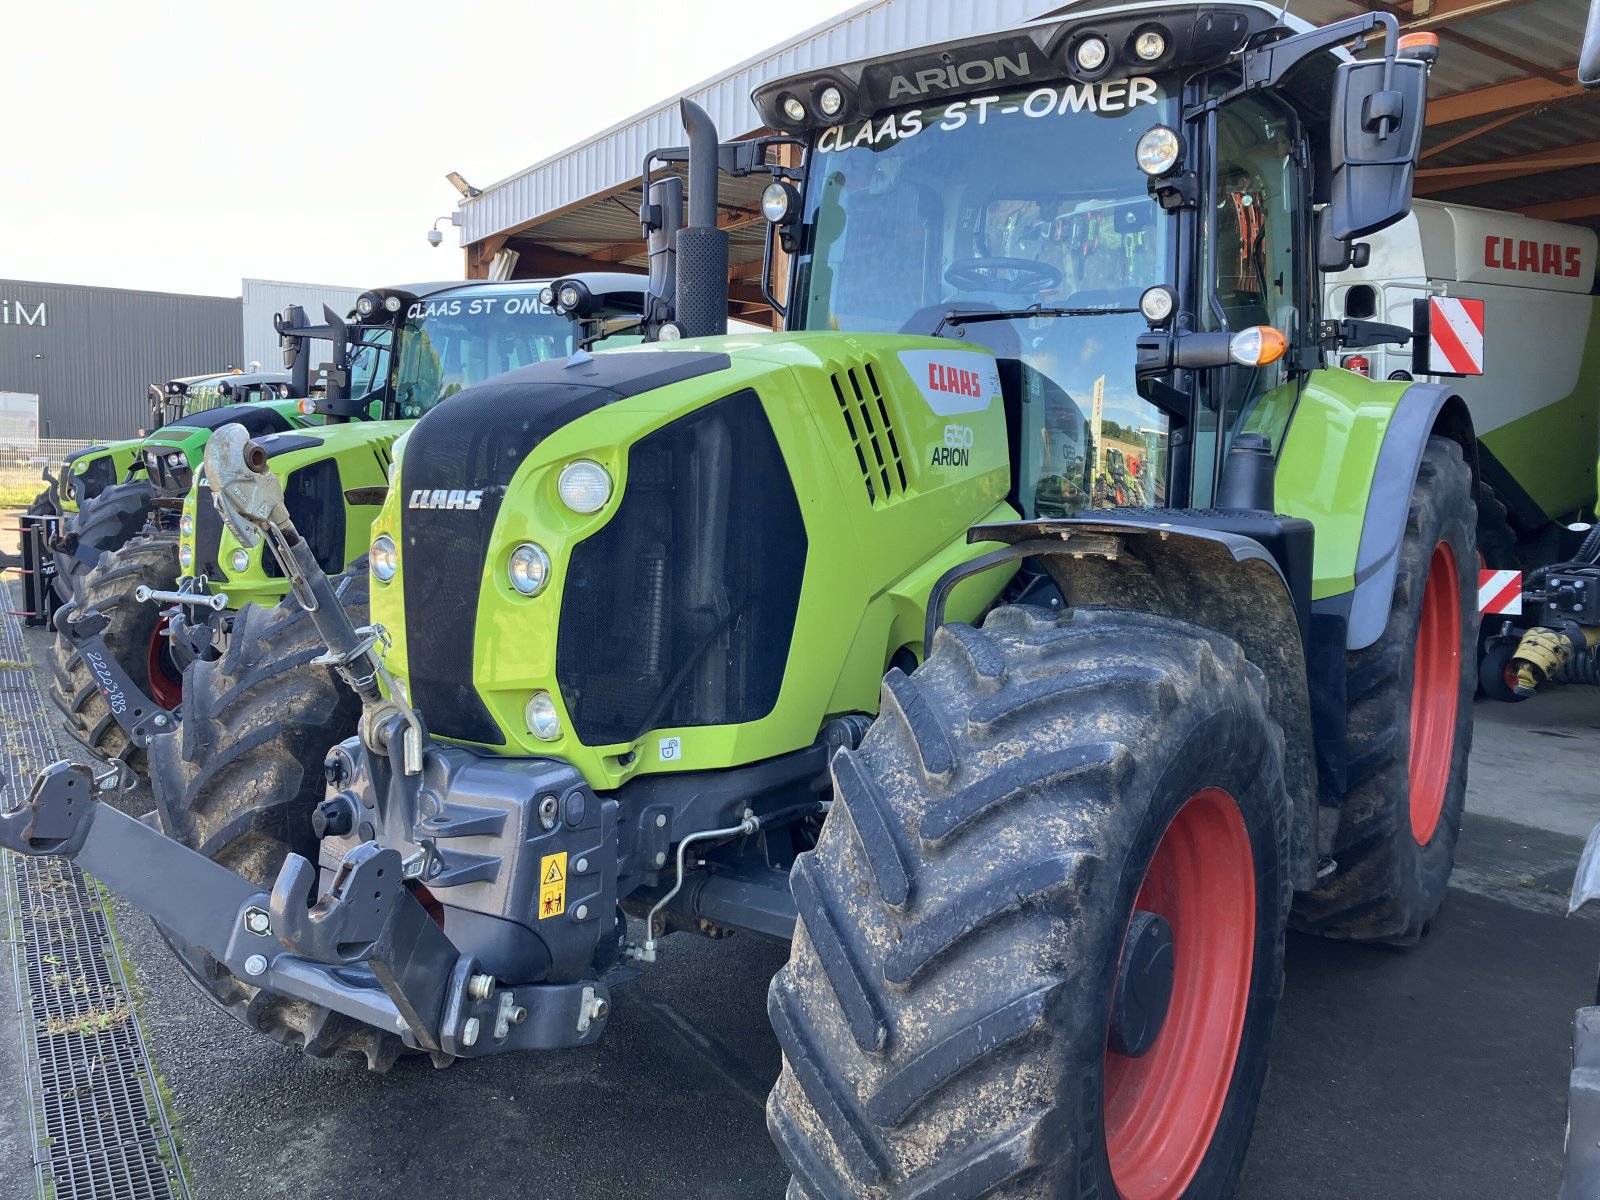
1004,202
453,342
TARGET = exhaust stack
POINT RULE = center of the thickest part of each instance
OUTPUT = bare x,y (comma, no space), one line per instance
702,268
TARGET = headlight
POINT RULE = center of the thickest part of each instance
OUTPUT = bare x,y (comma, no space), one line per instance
186,557
364,306
1157,304
543,720
584,486
529,569
186,526
383,559
1158,150
1091,54
239,561
1150,45
780,203
569,296
831,101
391,304
793,109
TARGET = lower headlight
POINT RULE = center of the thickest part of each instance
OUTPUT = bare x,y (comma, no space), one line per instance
543,720
584,486
239,561
529,569
186,526
383,558
186,557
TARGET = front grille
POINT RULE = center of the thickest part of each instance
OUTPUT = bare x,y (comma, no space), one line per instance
477,441
168,469
314,496
680,610
207,537
96,478
866,418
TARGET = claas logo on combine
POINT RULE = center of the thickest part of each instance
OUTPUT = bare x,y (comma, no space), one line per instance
1538,258
452,498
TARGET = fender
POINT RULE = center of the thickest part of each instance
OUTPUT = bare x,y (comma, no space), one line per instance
1222,580
1347,462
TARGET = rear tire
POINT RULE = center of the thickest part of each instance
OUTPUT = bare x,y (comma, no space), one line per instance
238,782
944,1015
112,519
134,638
1409,726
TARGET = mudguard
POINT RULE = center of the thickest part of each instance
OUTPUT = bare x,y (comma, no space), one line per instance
1222,580
1349,449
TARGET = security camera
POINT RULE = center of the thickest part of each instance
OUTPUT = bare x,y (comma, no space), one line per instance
435,238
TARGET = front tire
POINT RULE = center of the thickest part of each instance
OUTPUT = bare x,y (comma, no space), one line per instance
1409,725
108,522
238,782
1048,820
136,638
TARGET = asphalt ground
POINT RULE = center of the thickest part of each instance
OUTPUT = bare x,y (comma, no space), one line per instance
1436,1072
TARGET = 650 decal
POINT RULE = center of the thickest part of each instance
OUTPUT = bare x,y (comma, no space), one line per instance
957,448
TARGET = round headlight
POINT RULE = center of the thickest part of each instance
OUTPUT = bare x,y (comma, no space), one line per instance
186,525
793,109
383,558
831,101
391,304
1150,45
569,296
777,202
543,720
186,557
529,569
669,332
364,306
239,561
584,486
1157,150
1091,54
547,296
1157,304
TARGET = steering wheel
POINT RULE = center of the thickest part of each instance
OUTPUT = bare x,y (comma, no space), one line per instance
1015,276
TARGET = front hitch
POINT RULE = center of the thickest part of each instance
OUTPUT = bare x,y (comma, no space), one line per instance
250,499
367,948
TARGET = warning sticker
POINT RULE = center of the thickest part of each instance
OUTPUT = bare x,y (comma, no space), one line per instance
552,885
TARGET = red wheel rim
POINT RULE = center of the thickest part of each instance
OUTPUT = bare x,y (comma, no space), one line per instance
1435,694
166,681
1162,1108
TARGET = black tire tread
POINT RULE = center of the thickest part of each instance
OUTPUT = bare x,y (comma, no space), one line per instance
916,1009
238,780
110,520
152,560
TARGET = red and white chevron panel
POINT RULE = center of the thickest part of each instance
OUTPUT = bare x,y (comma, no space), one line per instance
1500,592
1455,336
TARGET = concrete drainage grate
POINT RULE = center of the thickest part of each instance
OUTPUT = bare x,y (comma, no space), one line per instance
99,1129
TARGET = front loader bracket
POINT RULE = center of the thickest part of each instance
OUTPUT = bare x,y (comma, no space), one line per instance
140,717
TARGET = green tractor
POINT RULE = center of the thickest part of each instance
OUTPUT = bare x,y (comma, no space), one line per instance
169,597
105,493
769,634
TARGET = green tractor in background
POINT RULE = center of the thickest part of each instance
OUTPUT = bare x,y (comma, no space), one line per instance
112,491
790,635
170,596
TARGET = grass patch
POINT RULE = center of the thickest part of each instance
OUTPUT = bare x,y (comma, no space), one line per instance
11,664
95,1021
19,495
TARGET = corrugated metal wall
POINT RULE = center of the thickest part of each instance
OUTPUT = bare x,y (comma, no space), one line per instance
613,158
265,297
90,353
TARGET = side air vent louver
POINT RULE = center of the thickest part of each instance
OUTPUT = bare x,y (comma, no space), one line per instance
866,418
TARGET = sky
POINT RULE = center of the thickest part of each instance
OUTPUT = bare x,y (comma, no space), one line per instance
179,146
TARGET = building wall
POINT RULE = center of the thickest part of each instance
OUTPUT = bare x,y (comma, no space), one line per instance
91,353
265,298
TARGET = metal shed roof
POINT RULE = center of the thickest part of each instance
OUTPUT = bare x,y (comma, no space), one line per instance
1508,126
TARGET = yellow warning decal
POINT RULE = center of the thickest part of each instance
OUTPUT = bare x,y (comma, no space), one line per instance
552,885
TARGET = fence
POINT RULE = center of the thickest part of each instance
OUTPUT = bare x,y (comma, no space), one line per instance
22,465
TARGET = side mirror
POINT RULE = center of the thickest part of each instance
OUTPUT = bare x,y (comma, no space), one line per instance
1378,108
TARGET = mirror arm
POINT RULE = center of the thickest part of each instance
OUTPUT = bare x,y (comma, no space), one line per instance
1265,66
1356,335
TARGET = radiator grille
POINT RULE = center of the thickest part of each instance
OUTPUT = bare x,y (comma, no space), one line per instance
872,432
314,497
680,610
